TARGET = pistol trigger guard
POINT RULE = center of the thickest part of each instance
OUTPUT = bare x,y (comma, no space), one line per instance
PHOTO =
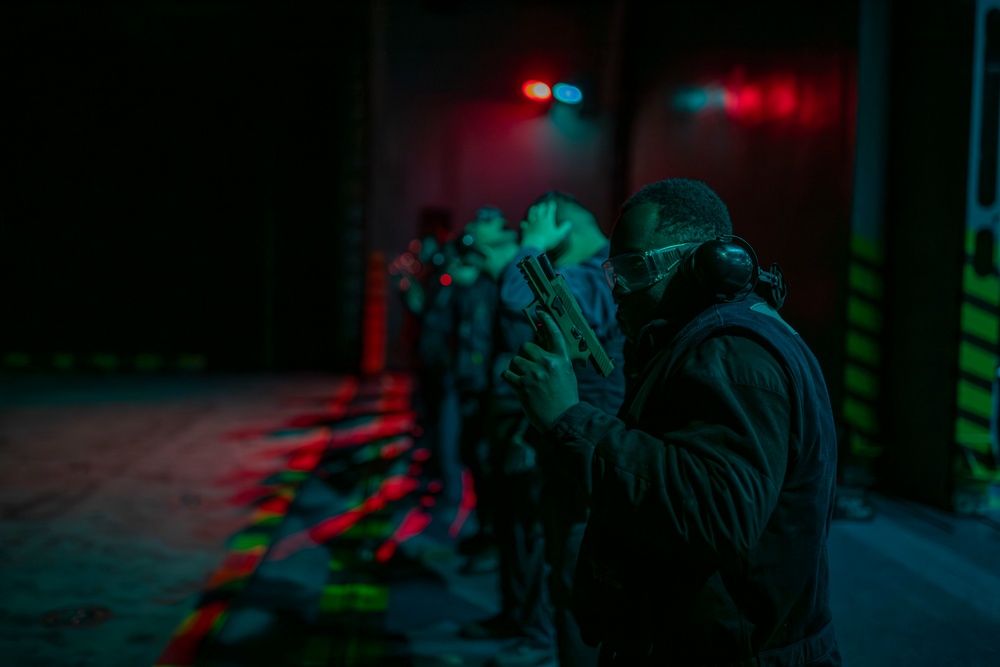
529,312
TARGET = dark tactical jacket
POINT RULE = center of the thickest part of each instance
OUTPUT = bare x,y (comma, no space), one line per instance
712,497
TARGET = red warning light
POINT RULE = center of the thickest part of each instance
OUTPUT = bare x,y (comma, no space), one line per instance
445,279
536,90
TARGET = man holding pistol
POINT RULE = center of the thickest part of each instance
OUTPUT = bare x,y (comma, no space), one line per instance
712,489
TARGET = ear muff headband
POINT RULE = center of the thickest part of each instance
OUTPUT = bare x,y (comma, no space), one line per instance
726,269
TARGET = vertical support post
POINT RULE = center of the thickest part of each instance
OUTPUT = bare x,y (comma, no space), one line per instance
977,460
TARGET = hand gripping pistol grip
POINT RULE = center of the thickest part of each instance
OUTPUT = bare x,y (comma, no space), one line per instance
553,296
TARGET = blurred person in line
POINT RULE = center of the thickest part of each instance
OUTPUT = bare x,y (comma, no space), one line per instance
713,488
542,507
488,240
426,337
455,347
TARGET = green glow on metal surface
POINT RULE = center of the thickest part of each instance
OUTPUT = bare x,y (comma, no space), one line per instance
975,399
862,347
62,361
861,381
247,541
866,249
865,280
191,362
860,415
370,527
148,362
864,315
976,361
269,520
980,323
16,360
354,597
973,436
864,447
984,288
105,361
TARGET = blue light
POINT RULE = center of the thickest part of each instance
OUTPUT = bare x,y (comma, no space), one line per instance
690,99
567,93
693,100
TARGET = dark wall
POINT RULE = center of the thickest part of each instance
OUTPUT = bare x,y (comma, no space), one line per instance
452,130
775,138
180,179
928,138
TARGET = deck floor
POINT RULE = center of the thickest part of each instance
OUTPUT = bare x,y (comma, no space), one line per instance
284,520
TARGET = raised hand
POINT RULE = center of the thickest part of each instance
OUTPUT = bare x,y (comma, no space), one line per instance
542,229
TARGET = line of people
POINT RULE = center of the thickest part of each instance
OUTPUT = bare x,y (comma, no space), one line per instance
674,512
530,514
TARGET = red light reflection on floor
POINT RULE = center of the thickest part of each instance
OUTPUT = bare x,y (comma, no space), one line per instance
183,648
391,489
465,505
318,441
413,523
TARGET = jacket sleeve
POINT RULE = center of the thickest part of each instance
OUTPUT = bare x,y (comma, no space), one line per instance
703,472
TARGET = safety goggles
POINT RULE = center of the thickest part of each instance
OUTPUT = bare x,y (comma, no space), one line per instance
638,270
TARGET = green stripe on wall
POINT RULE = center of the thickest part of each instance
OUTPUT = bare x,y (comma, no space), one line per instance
864,315
980,323
103,361
863,348
865,280
860,415
977,361
973,436
984,288
861,381
974,400
863,446
866,249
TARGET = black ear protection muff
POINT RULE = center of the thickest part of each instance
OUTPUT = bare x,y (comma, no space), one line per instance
726,269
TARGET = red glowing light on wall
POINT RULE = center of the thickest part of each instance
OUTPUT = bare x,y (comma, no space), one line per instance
745,102
774,98
536,90
807,101
374,313
782,99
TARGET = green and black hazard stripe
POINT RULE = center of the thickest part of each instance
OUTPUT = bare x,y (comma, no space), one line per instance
979,345
863,357
106,362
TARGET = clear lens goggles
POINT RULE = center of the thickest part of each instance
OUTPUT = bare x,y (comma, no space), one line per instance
638,270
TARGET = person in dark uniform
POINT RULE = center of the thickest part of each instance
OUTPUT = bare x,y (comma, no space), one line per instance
540,519
487,236
456,347
713,488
